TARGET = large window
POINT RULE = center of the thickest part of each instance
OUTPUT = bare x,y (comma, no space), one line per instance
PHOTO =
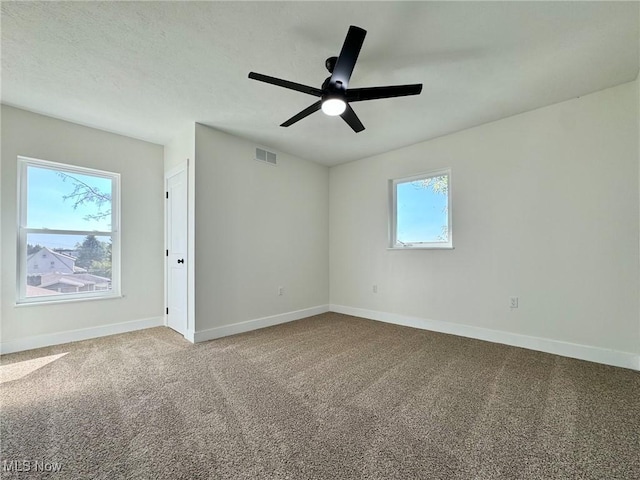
68,232
420,211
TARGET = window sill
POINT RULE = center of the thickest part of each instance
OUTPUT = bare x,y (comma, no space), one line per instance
67,300
443,247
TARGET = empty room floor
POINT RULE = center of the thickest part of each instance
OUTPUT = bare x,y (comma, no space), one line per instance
327,397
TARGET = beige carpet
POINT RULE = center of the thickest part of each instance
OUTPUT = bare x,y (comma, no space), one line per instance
328,397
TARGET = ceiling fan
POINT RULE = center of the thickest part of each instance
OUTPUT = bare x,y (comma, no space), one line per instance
335,96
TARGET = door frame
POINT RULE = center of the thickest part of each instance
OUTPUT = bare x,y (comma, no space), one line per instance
189,335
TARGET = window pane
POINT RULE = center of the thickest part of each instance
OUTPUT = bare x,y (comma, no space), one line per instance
67,264
422,214
60,200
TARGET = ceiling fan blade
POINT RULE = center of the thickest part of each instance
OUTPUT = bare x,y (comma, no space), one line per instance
352,119
304,113
348,56
373,93
316,92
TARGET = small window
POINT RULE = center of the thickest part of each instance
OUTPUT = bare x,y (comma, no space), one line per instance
69,215
420,211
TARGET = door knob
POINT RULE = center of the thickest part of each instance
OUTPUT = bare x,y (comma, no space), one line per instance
181,260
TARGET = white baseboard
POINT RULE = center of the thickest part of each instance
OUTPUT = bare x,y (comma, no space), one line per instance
241,327
558,347
47,340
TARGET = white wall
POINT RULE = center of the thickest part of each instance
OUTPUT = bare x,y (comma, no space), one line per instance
141,167
545,207
181,147
258,227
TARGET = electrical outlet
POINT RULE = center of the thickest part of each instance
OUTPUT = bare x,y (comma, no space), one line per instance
513,302
375,289
280,291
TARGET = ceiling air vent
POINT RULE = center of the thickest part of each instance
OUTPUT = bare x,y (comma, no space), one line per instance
266,157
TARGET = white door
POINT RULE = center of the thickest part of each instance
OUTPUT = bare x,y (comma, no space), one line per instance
176,254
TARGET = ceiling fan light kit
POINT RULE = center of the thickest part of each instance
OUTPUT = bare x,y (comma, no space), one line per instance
335,95
333,106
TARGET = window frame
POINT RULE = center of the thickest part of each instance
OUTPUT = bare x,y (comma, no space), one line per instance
393,213
23,231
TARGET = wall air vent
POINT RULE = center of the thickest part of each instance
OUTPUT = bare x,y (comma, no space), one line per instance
266,157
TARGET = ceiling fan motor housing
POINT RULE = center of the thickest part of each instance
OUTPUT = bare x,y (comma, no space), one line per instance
335,89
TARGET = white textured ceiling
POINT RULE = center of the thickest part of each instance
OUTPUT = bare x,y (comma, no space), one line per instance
147,69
